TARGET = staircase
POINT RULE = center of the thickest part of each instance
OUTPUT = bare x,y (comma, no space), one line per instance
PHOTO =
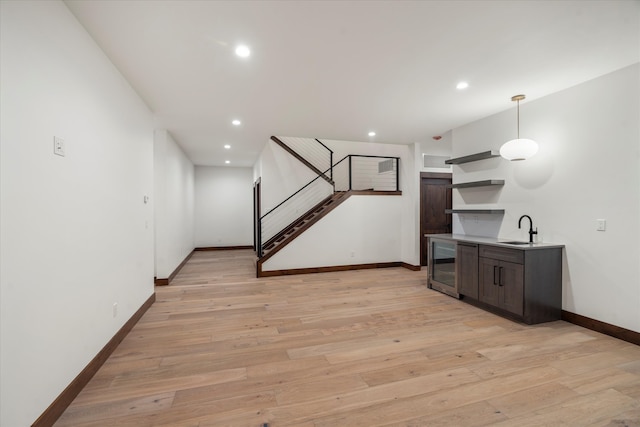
333,184
283,238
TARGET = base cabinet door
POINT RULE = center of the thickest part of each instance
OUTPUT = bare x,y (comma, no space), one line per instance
502,285
511,278
488,286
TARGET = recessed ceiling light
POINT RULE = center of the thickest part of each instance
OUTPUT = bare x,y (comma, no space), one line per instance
227,161
227,146
462,85
372,133
236,122
243,51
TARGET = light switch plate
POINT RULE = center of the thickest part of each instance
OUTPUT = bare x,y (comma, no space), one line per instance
58,146
602,224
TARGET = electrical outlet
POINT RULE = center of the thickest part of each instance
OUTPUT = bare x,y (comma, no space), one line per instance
353,254
115,309
602,224
58,146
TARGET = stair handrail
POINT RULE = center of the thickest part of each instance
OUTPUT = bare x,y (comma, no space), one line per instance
291,196
312,158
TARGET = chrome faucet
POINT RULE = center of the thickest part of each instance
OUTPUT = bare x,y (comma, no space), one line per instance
531,232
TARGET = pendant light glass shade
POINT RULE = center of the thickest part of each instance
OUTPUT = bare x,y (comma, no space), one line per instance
519,148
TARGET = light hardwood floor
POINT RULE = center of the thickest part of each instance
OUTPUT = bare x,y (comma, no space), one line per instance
358,348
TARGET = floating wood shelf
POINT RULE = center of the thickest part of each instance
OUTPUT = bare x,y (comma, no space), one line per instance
485,183
474,211
472,157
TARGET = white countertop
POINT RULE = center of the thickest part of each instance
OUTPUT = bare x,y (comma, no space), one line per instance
494,241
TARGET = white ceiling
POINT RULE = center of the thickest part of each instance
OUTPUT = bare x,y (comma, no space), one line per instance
338,69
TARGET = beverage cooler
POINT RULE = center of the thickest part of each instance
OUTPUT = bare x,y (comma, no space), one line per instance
442,266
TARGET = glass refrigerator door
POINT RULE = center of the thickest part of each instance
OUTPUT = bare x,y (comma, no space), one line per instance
443,263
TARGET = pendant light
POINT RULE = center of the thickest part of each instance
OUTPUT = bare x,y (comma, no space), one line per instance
518,149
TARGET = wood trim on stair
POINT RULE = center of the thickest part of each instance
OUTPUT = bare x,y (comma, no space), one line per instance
302,159
310,270
602,327
62,402
167,280
301,218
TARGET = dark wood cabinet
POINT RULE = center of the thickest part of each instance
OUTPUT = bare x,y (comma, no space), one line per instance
467,269
522,282
526,284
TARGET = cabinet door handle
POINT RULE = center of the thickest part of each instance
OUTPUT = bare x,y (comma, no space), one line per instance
494,274
500,276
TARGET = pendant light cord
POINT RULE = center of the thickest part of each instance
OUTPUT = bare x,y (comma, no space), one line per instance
518,101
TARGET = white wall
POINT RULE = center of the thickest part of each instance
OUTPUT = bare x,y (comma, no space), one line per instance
223,206
408,228
588,167
174,204
363,229
75,234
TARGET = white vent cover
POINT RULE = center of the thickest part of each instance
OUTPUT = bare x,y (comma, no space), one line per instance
385,166
434,161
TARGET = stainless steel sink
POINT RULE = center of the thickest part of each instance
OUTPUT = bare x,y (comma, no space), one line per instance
515,243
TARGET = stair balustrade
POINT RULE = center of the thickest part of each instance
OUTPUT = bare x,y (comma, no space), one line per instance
353,173
373,173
